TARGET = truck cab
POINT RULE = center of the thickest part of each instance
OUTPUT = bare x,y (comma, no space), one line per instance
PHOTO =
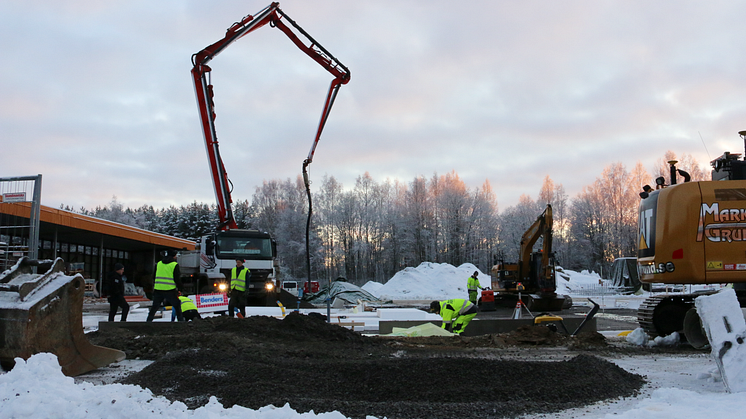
208,269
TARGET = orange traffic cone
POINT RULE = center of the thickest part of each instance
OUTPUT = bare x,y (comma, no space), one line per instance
517,312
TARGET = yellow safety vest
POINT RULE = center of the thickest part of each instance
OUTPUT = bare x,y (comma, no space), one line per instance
451,309
187,304
238,283
164,276
472,284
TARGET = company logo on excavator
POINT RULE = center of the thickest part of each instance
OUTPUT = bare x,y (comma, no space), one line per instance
645,223
726,225
656,268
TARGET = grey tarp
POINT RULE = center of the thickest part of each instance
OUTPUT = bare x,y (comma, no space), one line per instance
340,290
624,274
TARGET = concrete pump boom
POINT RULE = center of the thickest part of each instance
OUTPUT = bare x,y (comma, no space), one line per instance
275,17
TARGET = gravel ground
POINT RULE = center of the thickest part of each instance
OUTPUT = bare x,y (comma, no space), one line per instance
313,365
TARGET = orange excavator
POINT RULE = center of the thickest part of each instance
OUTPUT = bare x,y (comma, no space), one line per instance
531,279
692,233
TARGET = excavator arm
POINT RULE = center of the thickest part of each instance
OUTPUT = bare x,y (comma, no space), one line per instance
275,17
542,227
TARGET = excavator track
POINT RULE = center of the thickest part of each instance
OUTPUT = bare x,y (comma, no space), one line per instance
661,315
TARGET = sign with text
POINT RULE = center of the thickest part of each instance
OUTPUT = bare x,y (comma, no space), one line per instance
211,302
13,197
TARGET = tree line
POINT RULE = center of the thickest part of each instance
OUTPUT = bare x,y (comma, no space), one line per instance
375,229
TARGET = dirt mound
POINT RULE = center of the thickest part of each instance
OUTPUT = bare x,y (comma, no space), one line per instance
313,365
535,335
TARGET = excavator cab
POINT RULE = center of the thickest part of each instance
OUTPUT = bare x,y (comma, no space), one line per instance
44,313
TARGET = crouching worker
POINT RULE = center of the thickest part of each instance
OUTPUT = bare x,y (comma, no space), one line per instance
188,309
456,313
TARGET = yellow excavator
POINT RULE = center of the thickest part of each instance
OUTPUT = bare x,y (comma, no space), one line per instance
44,313
691,233
531,279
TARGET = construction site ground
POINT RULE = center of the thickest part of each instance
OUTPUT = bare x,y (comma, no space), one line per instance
314,365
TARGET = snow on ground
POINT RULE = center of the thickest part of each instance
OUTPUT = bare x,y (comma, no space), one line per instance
37,389
680,387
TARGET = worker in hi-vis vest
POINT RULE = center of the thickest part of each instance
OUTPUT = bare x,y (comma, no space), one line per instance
456,313
167,285
189,309
473,286
237,293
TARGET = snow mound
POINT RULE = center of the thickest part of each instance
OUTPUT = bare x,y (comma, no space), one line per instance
429,281
571,282
373,287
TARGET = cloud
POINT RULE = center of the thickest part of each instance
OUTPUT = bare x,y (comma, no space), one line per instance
99,98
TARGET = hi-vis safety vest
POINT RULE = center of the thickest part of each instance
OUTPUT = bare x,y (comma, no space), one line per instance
186,304
164,276
450,310
238,282
472,284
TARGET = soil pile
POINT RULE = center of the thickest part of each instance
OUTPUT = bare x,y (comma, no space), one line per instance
313,365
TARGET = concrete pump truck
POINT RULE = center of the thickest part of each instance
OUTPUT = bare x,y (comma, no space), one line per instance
208,268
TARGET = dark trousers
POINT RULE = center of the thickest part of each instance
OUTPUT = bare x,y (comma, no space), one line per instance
115,302
171,297
190,315
237,299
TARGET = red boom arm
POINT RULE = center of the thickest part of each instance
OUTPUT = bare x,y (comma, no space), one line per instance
203,90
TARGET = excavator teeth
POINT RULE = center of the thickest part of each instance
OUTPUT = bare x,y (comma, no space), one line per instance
44,313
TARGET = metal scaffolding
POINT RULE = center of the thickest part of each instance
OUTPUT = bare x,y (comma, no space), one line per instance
20,238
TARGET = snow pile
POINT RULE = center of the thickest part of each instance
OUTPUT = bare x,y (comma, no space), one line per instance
441,281
373,287
671,340
578,283
640,338
429,281
37,389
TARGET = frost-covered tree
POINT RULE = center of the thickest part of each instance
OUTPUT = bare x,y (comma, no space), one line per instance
514,222
686,163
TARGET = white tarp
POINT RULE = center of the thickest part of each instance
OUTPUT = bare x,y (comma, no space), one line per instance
425,329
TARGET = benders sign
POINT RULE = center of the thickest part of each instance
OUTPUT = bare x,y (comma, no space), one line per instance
726,225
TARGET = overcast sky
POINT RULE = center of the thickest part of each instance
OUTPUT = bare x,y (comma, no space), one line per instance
97,95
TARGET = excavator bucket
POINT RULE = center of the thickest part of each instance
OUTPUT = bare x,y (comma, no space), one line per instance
44,313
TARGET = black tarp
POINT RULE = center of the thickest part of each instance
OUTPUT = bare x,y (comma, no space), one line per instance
624,274
342,290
